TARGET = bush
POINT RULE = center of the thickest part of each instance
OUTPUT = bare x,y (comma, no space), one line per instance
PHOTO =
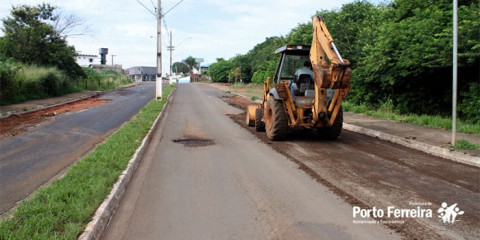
43,81
8,69
469,107
28,82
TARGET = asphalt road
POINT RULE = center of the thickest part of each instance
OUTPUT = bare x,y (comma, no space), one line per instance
205,177
29,160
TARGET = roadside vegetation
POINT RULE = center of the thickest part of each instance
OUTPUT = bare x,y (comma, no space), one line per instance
466,145
63,209
36,61
400,52
30,82
387,111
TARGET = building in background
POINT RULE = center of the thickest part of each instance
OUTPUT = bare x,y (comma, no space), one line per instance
86,60
92,61
141,73
100,67
204,68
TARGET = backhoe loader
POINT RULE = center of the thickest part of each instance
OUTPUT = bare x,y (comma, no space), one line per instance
304,98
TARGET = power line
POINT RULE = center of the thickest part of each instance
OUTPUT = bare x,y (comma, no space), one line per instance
172,7
165,23
153,5
155,15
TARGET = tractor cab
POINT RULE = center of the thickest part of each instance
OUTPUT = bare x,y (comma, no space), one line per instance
295,68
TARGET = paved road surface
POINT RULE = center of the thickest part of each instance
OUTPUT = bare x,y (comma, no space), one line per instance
29,160
235,187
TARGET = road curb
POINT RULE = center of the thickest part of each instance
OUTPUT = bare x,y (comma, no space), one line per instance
105,211
427,148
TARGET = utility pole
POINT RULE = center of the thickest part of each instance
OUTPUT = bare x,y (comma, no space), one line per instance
158,84
170,48
112,58
454,91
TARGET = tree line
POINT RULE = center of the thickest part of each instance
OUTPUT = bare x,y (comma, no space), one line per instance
401,54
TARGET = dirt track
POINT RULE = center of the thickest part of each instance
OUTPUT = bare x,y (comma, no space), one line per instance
368,172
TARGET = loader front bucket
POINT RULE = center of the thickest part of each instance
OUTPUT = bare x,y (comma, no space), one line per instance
250,120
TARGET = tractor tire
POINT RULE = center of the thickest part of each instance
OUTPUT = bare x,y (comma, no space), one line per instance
259,125
332,133
276,122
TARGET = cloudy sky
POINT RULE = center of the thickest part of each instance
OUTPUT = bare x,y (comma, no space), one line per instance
207,29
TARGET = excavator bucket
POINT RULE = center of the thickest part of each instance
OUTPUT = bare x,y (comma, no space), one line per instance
250,120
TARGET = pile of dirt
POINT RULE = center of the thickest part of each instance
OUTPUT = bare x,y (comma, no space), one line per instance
237,102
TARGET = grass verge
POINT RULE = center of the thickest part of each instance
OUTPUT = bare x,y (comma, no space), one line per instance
63,209
465,145
386,112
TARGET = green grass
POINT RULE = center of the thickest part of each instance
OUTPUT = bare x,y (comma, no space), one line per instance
386,111
254,91
253,98
465,145
242,85
64,208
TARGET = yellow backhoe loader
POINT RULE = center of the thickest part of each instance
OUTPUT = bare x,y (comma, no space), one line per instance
304,97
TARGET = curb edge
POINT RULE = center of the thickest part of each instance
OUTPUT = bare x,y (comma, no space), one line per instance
107,208
427,148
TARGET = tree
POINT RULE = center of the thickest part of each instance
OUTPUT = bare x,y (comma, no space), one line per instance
265,70
219,71
180,67
265,51
234,74
302,34
408,59
31,37
191,63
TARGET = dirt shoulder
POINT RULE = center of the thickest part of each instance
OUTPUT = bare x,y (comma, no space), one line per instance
19,118
40,104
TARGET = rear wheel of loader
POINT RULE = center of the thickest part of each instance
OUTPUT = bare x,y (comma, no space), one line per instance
332,133
276,120
259,125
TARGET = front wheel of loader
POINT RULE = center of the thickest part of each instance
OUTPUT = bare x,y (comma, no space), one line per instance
259,125
332,133
276,122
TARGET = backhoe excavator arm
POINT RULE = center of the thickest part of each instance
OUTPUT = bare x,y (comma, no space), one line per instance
335,74
330,70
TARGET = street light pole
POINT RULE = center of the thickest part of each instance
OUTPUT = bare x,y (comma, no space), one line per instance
158,84
112,58
170,48
454,91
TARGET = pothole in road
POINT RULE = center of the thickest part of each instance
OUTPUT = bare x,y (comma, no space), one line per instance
194,142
